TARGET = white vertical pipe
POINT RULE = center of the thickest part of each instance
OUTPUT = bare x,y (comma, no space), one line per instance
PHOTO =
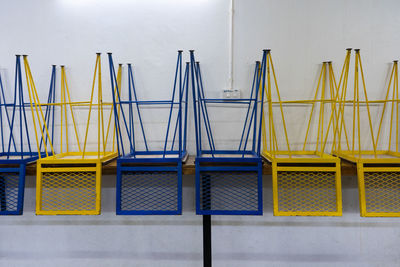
230,77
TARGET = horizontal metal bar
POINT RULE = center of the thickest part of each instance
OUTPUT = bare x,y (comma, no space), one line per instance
381,169
229,160
381,214
149,168
229,212
9,170
72,169
156,152
308,213
148,212
150,160
226,99
229,168
68,212
229,102
236,152
14,212
148,102
18,161
306,169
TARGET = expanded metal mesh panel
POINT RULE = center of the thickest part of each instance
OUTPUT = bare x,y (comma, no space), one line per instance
229,191
301,191
68,191
149,191
382,191
9,192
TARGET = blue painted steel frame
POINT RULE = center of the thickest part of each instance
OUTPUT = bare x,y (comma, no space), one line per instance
174,168
16,161
155,160
20,170
243,159
253,168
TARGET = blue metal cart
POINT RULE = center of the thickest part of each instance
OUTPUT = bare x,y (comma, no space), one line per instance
149,181
16,151
228,182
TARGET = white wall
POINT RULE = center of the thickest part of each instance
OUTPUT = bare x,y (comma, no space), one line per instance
301,34
148,34
144,33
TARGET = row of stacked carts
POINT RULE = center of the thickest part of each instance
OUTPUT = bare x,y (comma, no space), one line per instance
148,138
306,177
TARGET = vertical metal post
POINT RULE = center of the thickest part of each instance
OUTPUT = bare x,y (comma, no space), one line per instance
207,243
180,106
186,88
207,260
207,252
197,131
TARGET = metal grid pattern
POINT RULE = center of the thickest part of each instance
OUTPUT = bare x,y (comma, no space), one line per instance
149,191
229,191
382,192
9,192
303,191
68,191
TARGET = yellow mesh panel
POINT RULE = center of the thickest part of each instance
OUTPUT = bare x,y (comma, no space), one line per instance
382,192
68,191
306,192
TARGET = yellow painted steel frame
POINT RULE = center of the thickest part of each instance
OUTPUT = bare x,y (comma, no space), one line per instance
379,188
378,171
305,186
69,182
305,183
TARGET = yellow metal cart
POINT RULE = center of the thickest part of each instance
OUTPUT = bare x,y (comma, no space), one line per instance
69,182
378,170
306,182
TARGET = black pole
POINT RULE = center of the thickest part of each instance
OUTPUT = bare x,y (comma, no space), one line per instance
207,241
206,195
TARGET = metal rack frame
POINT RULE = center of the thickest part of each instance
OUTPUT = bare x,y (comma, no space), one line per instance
69,182
306,182
14,158
149,181
228,182
378,171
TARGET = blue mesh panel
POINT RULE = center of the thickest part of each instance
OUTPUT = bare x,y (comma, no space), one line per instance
144,192
9,192
229,192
